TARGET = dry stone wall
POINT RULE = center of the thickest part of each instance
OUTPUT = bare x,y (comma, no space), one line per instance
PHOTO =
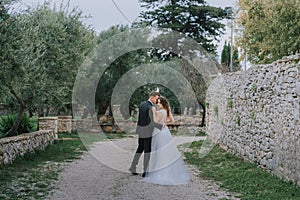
48,123
186,123
12,147
255,114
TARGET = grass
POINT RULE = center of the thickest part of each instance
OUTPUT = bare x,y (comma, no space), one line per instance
201,134
241,177
185,132
33,175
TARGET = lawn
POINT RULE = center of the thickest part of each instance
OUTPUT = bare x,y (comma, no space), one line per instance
239,176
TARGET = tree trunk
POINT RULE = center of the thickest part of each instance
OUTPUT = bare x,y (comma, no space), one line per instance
22,104
14,128
47,111
203,114
110,112
102,108
30,113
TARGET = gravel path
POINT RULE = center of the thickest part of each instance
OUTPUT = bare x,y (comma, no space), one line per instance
90,179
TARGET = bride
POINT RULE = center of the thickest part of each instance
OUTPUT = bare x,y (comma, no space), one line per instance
166,166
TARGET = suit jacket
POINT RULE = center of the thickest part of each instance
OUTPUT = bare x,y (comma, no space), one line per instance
145,124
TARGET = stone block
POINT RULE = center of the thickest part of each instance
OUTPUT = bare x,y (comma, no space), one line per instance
48,123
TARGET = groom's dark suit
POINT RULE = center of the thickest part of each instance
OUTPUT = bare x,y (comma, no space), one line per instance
145,127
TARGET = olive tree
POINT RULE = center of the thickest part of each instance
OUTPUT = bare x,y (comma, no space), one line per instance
42,51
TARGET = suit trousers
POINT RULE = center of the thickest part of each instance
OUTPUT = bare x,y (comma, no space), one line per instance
144,145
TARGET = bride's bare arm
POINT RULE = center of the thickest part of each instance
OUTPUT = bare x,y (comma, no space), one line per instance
171,119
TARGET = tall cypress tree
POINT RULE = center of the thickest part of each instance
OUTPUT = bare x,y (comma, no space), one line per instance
225,58
194,18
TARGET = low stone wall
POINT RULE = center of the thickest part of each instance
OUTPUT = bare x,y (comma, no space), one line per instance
255,114
12,147
64,124
183,123
49,123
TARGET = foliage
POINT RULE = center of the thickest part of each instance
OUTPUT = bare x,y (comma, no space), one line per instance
104,67
170,77
254,87
230,103
41,50
271,29
240,176
141,94
216,110
112,75
162,71
196,19
67,42
252,114
3,10
6,122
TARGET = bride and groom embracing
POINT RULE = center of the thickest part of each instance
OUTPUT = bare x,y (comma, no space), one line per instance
163,163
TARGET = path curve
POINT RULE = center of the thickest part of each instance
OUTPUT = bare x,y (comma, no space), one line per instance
87,178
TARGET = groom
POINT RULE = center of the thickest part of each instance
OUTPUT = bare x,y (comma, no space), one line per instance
145,127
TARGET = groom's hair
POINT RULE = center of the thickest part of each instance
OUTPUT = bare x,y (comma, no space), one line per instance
154,93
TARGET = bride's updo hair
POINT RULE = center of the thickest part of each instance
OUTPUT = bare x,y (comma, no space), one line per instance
165,103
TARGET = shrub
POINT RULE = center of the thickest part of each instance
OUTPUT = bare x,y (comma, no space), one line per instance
7,122
230,103
216,110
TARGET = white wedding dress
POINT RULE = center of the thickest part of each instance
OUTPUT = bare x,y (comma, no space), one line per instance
166,166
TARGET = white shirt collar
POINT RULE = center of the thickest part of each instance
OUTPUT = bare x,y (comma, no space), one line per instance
150,102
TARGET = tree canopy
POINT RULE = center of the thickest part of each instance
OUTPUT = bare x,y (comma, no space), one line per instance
41,50
196,19
271,29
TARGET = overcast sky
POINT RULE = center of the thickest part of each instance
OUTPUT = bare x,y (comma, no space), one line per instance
105,14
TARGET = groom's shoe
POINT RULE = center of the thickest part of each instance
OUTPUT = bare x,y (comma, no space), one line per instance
132,171
144,175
